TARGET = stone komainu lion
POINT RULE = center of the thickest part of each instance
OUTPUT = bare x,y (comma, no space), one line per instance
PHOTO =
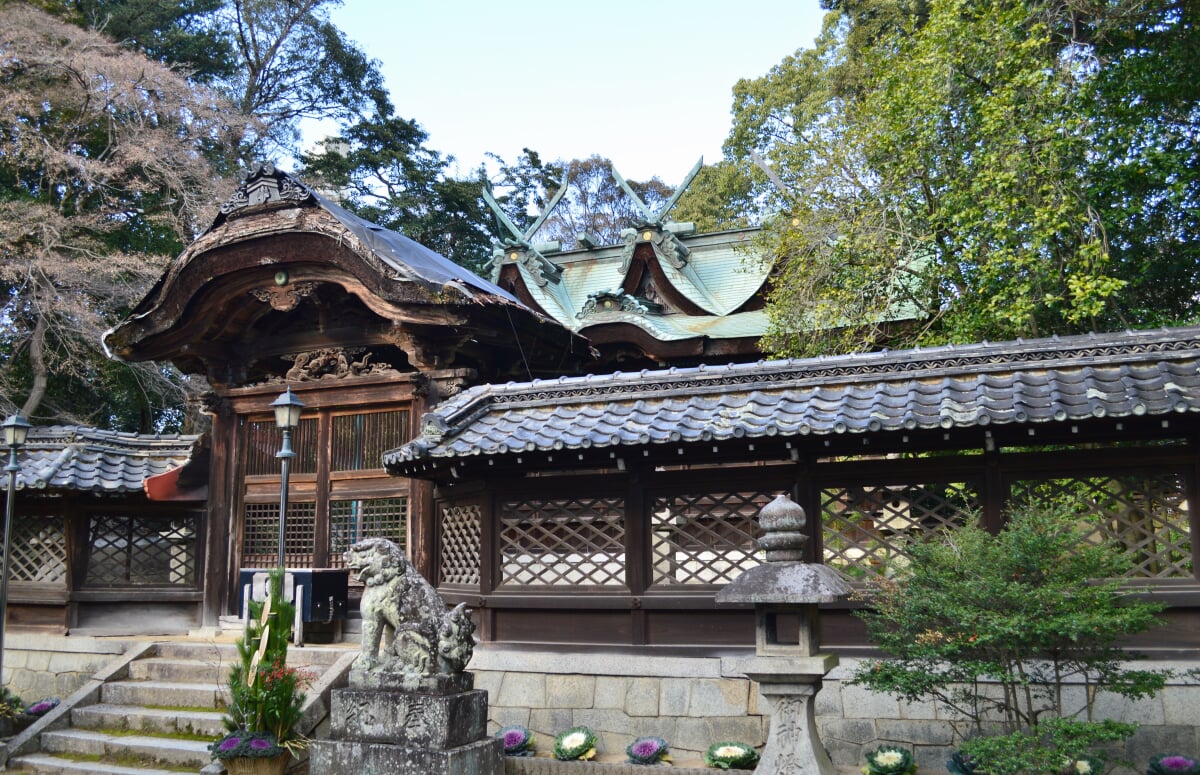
426,638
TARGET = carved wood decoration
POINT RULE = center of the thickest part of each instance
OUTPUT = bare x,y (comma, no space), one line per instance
284,298
333,363
265,186
617,301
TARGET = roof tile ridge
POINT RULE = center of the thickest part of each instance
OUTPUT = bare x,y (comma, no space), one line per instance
45,474
973,358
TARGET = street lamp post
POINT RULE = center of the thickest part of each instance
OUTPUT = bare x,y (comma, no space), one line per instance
16,428
287,416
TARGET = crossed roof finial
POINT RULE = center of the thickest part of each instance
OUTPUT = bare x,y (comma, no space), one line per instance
657,218
519,238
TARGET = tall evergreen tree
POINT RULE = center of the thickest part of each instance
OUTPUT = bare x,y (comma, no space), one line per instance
989,168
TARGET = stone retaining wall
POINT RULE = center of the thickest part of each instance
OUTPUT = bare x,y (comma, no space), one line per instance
38,665
517,766
694,702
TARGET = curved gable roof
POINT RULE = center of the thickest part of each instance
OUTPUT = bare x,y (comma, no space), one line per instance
276,227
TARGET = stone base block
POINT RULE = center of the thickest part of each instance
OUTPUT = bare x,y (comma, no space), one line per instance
431,721
335,757
440,683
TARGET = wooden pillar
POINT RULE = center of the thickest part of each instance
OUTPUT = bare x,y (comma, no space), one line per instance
1193,500
422,520
637,551
807,493
222,534
995,491
322,518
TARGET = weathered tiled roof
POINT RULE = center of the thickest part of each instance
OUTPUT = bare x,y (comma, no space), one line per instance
277,245
1039,381
89,459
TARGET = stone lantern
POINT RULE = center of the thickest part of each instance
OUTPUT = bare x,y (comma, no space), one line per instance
788,672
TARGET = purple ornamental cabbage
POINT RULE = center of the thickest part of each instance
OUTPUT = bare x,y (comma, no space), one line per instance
1173,764
518,741
648,750
42,707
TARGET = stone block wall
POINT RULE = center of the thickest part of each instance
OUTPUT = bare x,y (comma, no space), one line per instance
694,702
691,703
853,720
37,665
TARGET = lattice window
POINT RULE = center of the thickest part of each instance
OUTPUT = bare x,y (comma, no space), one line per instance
128,551
264,440
359,440
865,529
260,535
350,521
38,550
568,542
705,539
1147,515
461,530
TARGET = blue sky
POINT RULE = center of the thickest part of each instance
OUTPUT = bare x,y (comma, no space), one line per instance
647,84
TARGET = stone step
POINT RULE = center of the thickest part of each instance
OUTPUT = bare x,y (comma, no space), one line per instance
57,765
153,750
164,720
225,654
178,688
186,671
214,653
164,694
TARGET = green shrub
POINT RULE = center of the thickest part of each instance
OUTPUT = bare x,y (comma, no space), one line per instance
1054,746
10,704
995,626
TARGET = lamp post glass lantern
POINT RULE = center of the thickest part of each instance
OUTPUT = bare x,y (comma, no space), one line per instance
16,429
287,416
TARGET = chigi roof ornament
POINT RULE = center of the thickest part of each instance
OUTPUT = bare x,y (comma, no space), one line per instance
654,229
657,218
519,248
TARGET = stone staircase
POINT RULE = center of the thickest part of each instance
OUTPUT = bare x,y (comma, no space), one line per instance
158,713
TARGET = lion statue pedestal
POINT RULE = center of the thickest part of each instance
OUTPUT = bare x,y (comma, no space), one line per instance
410,709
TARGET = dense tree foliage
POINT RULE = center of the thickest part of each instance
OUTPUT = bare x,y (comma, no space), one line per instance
278,61
184,33
121,128
103,175
381,169
292,64
991,168
722,196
